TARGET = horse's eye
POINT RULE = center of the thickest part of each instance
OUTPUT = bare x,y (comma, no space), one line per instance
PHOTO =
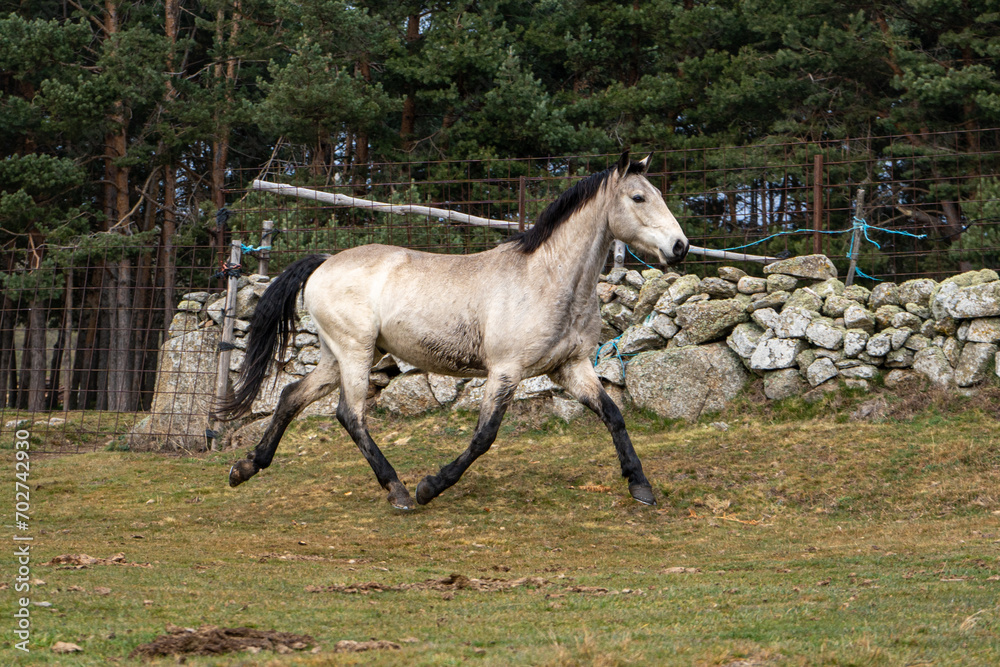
638,199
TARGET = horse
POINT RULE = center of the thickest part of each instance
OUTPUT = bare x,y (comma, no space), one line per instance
524,308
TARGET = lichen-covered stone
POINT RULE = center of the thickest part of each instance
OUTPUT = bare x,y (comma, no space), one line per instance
901,358
779,282
611,369
932,364
627,295
649,295
408,395
815,267
858,293
884,315
906,320
776,353
982,300
823,333
685,382
856,317
683,289
792,322
751,285
707,320
879,345
731,273
834,305
717,288
805,297
785,383
617,315
639,338
744,339
984,330
884,294
855,341
974,363
916,291
663,325
773,300
820,371
828,288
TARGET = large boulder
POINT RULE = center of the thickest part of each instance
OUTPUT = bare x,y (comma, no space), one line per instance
981,300
685,382
185,388
408,395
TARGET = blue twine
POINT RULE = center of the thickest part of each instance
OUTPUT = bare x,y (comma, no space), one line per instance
638,258
250,248
614,344
858,223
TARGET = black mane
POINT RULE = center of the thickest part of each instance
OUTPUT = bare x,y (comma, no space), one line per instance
564,207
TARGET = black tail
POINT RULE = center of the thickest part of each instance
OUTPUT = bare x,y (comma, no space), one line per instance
270,329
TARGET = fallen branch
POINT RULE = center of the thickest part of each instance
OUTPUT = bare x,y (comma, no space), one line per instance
454,216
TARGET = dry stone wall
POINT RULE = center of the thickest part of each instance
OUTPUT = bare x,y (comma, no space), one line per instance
679,345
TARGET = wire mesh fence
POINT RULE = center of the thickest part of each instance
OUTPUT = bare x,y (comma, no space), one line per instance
121,341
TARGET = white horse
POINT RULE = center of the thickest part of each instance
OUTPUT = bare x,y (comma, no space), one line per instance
527,307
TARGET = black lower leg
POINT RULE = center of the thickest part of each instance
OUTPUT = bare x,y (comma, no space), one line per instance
432,486
631,466
263,453
384,472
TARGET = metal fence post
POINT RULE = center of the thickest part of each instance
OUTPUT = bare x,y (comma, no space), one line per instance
817,203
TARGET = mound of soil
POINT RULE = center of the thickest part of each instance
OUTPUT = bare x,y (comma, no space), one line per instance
212,640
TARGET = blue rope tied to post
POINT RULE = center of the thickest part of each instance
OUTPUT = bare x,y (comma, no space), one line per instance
249,249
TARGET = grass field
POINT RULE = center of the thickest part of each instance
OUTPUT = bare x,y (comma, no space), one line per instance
795,537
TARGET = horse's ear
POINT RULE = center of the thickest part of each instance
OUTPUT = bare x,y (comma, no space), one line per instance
623,163
645,163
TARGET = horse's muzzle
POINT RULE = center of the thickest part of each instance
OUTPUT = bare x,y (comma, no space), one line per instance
676,254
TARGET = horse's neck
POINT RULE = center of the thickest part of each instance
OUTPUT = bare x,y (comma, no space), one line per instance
578,250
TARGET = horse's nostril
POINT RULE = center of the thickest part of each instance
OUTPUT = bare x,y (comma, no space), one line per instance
680,250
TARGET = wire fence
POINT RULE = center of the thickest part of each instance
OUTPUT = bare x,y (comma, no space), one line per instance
120,343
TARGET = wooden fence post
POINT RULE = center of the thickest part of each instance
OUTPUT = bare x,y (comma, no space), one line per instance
859,212
228,322
266,240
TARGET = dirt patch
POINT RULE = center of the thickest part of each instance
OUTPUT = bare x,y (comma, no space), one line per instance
212,640
348,646
458,582
81,561
453,582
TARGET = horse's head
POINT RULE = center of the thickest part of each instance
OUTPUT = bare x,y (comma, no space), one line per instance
639,216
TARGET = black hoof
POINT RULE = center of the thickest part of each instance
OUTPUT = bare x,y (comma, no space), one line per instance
241,472
425,493
642,493
399,497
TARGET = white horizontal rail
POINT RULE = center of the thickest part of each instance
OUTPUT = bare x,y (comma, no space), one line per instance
455,216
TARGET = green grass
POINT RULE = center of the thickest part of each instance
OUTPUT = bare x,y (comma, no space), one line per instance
816,541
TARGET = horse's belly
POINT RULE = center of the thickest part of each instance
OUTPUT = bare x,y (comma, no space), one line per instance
455,351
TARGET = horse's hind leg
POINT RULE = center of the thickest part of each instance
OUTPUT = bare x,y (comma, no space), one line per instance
294,398
579,379
351,415
497,394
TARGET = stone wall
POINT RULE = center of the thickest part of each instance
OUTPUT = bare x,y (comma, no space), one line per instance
679,345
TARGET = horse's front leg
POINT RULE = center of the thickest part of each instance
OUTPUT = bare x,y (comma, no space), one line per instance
580,379
497,394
